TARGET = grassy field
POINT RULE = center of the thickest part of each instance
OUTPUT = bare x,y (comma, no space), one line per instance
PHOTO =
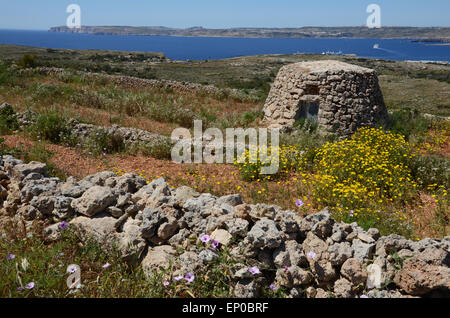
407,196
398,79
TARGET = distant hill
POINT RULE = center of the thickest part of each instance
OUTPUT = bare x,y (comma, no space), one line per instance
440,34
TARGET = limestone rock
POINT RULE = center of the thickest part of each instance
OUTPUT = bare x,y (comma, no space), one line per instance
221,236
94,200
158,258
289,254
264,234
101,228
20,171
343,288
354,272
425,272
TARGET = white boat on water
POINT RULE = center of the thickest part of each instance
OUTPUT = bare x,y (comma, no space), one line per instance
332,53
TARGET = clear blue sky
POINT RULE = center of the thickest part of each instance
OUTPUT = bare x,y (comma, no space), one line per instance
42,14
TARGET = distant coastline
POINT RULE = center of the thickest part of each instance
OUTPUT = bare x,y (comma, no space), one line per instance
420,34
185,48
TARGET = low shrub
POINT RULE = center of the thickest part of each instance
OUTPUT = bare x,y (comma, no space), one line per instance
306,125
103,143
254,158
51,127
159,149
7,77
407,123
168,113
250,116
430,170
50,92
8,119
27,61
90,99
363,177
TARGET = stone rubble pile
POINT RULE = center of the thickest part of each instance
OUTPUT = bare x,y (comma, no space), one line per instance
313,257
131,136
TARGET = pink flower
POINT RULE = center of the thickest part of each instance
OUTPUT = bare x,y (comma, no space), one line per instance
254,270
205,238
273,287
189,277
63,225
29,285
299,203
178,278
363,296
106,265
166,283
10,257
72,269
215,244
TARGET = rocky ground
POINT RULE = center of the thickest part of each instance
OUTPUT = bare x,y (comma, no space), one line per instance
156,226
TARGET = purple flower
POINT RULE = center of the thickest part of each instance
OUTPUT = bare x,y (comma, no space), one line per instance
273,287
106,265
10,257
166,283
215,244
205,238
178,278
351,213
20,288
311,255
286,268
29,285
363,296
254,270
299,203
189,277
63,225
72,269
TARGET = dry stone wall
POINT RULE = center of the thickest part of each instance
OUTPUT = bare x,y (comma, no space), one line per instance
313,257
83,132
139,83
341,97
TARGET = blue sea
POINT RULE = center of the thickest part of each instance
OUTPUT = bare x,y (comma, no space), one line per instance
202,48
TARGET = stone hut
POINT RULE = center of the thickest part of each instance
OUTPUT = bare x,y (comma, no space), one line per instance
341,97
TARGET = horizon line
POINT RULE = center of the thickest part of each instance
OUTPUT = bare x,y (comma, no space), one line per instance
225,28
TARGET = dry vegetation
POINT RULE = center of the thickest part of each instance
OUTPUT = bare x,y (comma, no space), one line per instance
424,214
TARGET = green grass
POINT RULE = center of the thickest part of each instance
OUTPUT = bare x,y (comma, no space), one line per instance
50,127
103,143
408,123
159,149
48,263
